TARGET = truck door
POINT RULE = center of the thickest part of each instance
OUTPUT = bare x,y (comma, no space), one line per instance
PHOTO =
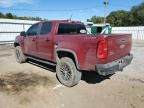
30,40
45,42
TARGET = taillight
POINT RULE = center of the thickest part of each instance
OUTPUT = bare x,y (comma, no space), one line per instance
102,51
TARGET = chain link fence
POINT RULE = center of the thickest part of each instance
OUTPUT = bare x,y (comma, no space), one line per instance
9,29
137,32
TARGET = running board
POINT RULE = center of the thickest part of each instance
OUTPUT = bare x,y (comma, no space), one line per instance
42,61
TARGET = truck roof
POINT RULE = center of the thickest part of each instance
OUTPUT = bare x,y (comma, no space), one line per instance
62,21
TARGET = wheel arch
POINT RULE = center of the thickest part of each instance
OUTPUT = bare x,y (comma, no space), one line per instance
67,53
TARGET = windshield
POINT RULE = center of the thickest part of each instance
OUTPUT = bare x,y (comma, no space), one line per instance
65,28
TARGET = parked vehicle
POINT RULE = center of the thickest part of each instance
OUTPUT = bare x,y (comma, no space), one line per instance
66,45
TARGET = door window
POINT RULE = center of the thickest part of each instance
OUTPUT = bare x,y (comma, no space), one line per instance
33,30
46,28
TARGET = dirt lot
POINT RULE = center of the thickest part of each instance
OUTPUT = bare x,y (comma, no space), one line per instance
32,85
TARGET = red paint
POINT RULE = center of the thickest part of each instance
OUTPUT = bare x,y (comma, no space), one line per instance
88,49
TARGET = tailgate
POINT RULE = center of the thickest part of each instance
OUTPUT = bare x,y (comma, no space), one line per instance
119,45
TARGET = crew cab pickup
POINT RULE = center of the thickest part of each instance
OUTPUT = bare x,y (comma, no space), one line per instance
67,45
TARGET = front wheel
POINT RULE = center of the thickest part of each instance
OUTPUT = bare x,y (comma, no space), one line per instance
67,73
20,57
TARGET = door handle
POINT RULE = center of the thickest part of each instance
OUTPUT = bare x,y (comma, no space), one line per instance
33,39
47,40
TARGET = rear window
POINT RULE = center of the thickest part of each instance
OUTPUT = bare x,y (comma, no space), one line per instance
70,28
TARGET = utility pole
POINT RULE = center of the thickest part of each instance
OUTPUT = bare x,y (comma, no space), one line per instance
106,2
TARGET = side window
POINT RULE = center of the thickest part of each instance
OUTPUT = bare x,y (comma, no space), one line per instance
70,29
46,28
67,29
99,29
33,30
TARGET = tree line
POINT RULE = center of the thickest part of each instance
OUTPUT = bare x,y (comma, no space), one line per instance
134,17
12,16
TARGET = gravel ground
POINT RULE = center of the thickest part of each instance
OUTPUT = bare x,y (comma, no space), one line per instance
32,85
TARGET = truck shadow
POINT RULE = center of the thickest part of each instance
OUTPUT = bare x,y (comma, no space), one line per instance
87,76
93,77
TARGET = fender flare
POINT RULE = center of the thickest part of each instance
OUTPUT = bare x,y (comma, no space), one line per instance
70,51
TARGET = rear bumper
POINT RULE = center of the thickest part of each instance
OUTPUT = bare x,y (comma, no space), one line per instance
112,67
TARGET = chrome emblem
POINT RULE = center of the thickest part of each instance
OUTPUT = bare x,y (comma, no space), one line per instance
122,46
111,53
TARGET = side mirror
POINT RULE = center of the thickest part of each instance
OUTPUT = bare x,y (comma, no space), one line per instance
83,31
23,33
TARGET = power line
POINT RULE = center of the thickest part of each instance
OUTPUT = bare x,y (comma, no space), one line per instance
16,9
66,10
80,11
119,5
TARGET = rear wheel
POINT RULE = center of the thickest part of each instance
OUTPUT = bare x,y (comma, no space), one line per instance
20,57
67,73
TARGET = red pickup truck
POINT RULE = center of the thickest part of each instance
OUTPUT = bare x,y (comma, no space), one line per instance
66,45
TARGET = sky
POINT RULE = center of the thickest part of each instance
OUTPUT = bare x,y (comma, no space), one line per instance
64,9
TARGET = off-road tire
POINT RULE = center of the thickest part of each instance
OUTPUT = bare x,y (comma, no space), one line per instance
66,65
20,57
